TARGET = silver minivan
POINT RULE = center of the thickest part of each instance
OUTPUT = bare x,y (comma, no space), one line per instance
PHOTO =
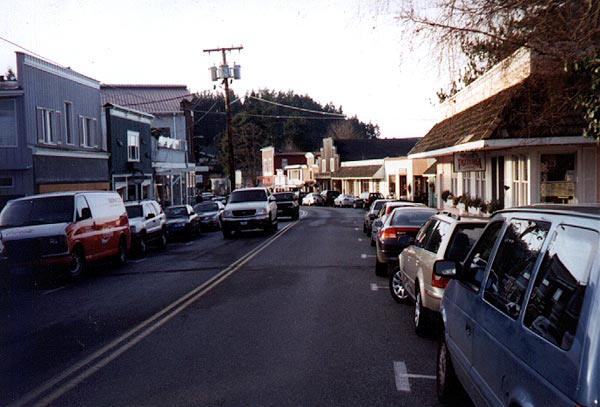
521,316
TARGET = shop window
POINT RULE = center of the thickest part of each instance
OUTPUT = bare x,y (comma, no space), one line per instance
557,178
8,123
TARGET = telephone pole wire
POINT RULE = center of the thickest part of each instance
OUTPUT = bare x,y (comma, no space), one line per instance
225,74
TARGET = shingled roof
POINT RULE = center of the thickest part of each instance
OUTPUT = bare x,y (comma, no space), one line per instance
357,150
357,172
155,99
534,108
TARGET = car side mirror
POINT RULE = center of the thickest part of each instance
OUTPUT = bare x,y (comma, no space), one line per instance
86,213
447,268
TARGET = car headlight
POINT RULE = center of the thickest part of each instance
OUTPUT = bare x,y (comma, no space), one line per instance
228,213
261,211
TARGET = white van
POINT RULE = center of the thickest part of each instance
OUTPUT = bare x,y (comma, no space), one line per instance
63,229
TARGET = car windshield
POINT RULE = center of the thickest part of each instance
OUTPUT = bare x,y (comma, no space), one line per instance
134,211
410,218
176,212
284,197
37,211
206,207
248,195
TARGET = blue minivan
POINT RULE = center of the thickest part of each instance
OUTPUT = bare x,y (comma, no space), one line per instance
522,314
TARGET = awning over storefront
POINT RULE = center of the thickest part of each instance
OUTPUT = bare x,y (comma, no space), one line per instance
360,172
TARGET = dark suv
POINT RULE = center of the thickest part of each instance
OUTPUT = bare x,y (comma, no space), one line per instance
520,315
329,196
287,204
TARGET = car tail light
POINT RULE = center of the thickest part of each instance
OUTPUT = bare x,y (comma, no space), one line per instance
439,282
387,233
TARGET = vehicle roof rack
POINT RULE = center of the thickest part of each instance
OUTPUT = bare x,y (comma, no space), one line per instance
451,214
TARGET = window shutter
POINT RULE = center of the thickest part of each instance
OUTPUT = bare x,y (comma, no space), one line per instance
81,129
40,125
57,128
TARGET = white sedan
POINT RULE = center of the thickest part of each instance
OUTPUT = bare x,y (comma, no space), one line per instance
344,200
312,199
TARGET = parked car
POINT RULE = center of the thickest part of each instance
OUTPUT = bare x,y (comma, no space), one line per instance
62,231
182,221
385,211
249,208
287,204
148,224
210,214
344,200
397,232
329,196
520,315
442,237
365,199
371,215
312,198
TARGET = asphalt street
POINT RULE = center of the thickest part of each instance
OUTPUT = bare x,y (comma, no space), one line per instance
297,318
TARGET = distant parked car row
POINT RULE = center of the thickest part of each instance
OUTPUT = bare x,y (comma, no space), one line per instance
335,198
514,298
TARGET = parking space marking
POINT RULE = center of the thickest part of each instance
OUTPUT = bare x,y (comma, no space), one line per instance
366,256
401,375
359,239
136,261
54,290
375,287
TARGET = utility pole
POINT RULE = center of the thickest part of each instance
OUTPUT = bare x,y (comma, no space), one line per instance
226,74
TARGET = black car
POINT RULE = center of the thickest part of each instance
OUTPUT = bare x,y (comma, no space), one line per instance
210,214
398,231
287,204
329,196
182,221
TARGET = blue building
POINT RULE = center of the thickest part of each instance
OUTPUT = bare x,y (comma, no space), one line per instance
50,131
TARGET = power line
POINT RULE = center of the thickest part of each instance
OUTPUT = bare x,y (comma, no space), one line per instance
298,108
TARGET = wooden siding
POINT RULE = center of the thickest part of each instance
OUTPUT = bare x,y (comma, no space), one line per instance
117,128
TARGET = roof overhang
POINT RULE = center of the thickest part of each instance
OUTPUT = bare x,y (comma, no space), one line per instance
503,143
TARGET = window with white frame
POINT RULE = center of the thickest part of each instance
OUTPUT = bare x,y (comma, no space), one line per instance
48,125
8,123
466,179
87,127
454,181
520,174
480,184
133,146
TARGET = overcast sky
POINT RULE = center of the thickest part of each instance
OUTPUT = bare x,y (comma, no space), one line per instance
339,51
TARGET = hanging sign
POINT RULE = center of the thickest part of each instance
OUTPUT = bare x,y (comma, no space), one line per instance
469,161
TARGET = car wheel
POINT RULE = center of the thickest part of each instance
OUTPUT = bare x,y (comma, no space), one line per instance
121,256
397,289
421,315
143,244
447,384
77,263
381,269
162,241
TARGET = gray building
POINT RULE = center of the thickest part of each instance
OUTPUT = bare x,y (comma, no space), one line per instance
128,134
50,136
173,171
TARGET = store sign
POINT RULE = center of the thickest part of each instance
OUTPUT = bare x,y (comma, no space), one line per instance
469,161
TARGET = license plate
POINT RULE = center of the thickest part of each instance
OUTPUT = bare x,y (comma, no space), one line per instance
243,223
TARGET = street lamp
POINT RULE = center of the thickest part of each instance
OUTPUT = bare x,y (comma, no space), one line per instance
224,73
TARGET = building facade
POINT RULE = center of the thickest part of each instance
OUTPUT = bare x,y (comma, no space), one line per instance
50,131
173,172
128,134
510,139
